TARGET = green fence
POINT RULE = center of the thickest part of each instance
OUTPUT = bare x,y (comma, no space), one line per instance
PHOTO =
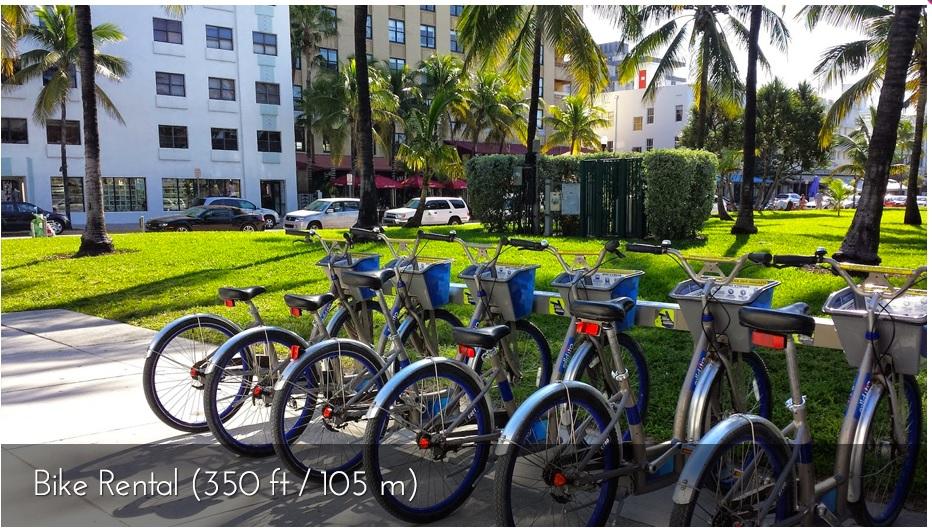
612,198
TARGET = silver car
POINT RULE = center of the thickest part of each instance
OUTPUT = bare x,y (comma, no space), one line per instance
326,212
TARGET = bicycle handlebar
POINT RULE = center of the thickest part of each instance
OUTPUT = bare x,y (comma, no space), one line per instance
795,260
646,248
451,237
761,257
528,244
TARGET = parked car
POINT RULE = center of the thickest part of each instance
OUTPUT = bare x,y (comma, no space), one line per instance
438,211
894,200
16,216
921,201
827,203
326,212
785,202
270,216
209,218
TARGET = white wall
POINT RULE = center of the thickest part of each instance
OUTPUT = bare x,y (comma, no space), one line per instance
132,150
623,106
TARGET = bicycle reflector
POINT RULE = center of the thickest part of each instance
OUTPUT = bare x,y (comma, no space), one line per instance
295,351
295,312
230,303
766,340
469,352
593,329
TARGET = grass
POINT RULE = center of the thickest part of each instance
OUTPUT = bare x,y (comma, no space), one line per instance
156,277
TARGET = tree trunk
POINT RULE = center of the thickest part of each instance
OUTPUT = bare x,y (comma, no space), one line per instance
703,109
95,240
912,216
722,211
530,158
863,238
418,217
745,224
64,160
309,150
368,204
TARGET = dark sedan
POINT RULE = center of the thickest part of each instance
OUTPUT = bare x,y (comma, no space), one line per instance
17,216
208,218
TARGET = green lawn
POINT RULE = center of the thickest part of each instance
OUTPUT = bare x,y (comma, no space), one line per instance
156,277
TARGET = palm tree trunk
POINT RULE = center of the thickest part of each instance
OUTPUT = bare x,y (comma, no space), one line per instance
309,141
530,158
912,216
722,211
863,238
422,204
368,204
62,142
95,240
745,224
703,109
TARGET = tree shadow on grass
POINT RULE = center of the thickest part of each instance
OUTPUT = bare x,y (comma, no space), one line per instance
739,242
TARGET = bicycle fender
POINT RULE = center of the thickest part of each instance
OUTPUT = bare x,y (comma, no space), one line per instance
338,343
235,341
166,330
524,412
690,478
578,362
411,371
700,400
868,405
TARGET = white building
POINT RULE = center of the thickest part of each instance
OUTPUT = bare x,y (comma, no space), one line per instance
641,126
207,111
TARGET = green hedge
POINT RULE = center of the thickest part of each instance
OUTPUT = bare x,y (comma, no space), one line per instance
680,187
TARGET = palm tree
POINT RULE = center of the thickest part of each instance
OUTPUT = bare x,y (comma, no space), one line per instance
574,124
95,240
15,21
403,84
369,202
838,192
56,58
512,36
424,150
494,108
863,237
701,28
729,161
745,224
854,146
439,73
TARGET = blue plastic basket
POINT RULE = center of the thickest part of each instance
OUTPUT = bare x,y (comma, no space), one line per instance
509,290
429,282
356,262
604,285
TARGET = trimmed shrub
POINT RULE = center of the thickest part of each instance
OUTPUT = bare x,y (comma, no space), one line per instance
680,191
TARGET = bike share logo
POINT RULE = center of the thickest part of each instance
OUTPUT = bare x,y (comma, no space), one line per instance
699,369
862,398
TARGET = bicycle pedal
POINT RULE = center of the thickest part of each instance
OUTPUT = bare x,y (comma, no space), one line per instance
827,515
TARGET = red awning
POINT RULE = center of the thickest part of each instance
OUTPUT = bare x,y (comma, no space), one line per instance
458,185
323,162
414,182
381,182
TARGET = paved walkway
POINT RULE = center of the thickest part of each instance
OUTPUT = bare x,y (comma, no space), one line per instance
72,384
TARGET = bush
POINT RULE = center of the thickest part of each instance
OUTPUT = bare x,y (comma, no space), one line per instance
680,191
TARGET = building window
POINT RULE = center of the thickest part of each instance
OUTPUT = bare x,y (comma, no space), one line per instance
53,132
169,84
540,56
52,72
15,130
124,194
676,141
650,115
456,10
267,93
650,144
179,193
329,58
296,93
325,145
455,42
636,149
171,136
429,7
75,193
540,119
223,139
299,139
540,87
396,31
219,37
269,141
679,113
369,26
223,89
395,64
428,36
296,61
264,43
164,30
638,123
610,146
397,141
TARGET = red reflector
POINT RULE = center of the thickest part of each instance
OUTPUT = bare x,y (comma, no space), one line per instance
593,329
257,391
230,303
768,340
295,311
295,351
469,352
559,480
326,412
423,442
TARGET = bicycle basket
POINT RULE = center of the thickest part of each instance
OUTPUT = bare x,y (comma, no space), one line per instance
356,262
724,306
510,289
603,285
429,282
901,325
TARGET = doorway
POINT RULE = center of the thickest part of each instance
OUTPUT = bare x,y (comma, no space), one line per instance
13,189
273,196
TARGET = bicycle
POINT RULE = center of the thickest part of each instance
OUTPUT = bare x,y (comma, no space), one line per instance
437,415
562,454
335,380
747,470
176,358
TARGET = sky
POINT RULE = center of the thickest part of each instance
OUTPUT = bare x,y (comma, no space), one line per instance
794,66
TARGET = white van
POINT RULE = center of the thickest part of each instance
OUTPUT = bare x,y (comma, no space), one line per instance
438,211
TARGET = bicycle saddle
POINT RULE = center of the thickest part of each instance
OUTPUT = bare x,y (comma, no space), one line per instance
602,311
311,303
240,294
367,279
486,337
792,319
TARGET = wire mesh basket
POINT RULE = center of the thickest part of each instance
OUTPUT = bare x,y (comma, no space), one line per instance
509,288
724,305
428,281
901,325
603,285
355,262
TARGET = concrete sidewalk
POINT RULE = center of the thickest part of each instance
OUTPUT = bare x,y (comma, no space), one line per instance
74,381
